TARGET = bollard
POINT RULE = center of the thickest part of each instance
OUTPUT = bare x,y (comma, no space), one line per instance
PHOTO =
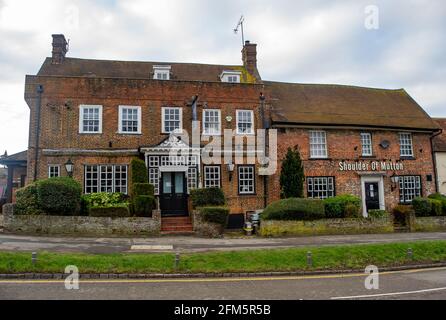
34,258
410,254
309,259
177,260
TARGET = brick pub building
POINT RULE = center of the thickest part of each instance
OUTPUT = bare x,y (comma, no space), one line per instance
100,114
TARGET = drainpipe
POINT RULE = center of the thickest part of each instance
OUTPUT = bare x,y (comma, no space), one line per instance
194,111
38,109
434,160
264,126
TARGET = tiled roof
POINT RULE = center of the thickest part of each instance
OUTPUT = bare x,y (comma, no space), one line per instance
439,141
17,157
321,104
138,70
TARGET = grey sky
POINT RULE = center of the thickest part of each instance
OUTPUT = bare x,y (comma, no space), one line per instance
298,41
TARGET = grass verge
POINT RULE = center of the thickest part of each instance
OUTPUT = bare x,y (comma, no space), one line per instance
268,260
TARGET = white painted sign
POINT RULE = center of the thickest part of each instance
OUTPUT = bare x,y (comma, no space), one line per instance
371,166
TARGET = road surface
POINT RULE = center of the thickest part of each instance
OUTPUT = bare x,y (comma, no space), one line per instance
412,284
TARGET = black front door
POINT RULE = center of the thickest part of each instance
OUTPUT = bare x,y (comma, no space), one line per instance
173,196
371,195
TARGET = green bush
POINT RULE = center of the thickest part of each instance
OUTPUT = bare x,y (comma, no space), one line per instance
143,189
101,199
442,198
217,215
27,202
336,207
376,213
403,210
143,205
352,210
207,197
295,209
59,196
113,211
422,206
437,207
139,171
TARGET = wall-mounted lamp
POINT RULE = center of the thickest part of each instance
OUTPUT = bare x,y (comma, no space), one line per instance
395,179
230,167
69,166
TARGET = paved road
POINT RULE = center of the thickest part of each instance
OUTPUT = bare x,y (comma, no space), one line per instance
10,242
414,284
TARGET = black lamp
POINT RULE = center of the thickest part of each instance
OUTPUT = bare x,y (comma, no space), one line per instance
395,179
69,166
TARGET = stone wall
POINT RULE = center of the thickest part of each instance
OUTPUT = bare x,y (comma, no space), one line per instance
428,224
206,229
274,228
80,225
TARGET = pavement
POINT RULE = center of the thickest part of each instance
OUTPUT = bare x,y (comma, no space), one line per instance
182,244
425,284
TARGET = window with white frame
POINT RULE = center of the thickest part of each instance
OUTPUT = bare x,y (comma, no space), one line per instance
53,171
366,143
212,176
246,179
410,188
172,120
320,187
211,122
318,144
406,148
105,178
130,119
161,72
245,122
192,178
154,179
90,119
230,76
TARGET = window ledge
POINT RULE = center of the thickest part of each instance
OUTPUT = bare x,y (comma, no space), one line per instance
130,133
90,133
315,159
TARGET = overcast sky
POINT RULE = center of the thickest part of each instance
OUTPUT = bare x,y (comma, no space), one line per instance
310,41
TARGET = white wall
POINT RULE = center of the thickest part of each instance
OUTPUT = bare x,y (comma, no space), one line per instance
440,158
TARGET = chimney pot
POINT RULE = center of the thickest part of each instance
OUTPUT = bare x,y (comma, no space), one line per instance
60,48
249,57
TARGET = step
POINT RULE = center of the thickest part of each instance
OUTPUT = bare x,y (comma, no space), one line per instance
189,227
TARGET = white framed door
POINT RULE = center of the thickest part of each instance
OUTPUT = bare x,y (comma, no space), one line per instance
372,190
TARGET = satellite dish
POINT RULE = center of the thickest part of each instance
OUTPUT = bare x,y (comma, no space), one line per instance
385,144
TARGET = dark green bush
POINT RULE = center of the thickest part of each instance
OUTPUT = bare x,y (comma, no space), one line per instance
113,211
217,215
27,202
352,210
103,199
376,213
143,205
207,197
437,207
442,198
139,171
403,210
294,209
59,196
336,207
143,189
422,206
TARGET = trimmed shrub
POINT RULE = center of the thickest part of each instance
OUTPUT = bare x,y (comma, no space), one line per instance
139,171
207,197
27,201
437,207
336,207
352,210
376,213
422,206
59,196
143,205
103,199
113,211
143,189
292,175
294,209
403,210
442,198
217,215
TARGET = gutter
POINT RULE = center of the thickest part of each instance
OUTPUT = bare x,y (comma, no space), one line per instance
434,160
37,144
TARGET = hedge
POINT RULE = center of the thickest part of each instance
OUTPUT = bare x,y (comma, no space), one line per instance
114,211
342,206
295,209
27,202
139,171
217,215
143,205
207,197
376,213
143,189
440,197
425,207
59,196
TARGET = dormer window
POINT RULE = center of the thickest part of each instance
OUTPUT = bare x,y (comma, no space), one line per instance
230,76
161,72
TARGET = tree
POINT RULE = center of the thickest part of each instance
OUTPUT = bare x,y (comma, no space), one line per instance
292,175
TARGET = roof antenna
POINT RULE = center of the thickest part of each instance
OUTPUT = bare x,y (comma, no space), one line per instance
240,25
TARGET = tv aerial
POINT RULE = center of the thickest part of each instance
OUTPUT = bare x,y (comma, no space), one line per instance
240,27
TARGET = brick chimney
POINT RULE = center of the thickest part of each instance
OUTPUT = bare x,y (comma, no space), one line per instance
249,57
60,48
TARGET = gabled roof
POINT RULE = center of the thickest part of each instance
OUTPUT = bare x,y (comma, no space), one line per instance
20,157
325,104
74,67
439,142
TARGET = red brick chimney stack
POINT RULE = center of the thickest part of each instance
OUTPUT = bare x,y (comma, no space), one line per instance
60,48
249,57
